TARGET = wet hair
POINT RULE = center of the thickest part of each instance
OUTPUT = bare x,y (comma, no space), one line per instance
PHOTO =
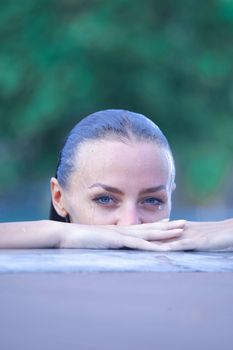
116,124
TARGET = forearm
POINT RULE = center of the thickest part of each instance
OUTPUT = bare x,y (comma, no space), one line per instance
31,234
52,234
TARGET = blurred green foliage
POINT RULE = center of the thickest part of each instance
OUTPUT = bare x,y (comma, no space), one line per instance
170,60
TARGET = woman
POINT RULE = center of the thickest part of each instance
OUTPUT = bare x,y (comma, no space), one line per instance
113,185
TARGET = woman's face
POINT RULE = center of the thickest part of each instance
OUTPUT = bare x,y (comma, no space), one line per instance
120,183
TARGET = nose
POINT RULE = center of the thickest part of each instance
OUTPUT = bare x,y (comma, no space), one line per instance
129,216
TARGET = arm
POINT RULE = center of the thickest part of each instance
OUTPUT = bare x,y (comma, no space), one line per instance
216,235
52,234
30,234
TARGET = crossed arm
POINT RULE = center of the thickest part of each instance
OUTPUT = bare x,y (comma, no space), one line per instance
158,236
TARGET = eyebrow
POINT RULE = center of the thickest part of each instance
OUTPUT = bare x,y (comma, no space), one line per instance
116,190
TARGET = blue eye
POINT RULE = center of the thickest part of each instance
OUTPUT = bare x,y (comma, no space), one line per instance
104,200
152,201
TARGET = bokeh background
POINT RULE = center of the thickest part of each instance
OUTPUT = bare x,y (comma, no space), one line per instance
170,60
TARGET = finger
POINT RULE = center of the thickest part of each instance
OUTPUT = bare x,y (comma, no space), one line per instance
180,245
159,225
140,244
157,235
161,235
173,224
168,225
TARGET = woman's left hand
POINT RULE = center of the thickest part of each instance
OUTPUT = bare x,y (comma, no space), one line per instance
203,236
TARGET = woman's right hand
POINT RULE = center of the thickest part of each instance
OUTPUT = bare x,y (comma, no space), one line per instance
142,237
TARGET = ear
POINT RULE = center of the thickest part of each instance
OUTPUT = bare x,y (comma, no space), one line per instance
57,197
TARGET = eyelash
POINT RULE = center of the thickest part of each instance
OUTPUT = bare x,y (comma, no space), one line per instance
112,200
97,200
158,201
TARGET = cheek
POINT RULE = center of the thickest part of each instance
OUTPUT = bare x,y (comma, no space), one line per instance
156,216
73,207
88,214
93,217
81,214
162,213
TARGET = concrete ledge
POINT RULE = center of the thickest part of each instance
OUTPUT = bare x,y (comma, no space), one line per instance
74,260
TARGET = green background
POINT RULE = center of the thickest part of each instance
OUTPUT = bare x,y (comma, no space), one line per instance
170,60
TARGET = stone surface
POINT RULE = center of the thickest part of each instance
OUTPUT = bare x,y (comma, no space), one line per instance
74,260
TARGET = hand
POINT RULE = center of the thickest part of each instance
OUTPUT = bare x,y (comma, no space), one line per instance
157,231
204,236
116,237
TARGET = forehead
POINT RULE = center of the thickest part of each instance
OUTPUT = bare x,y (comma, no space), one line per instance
113,162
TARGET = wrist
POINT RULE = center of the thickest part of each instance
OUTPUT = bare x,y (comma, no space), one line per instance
61,231
70,235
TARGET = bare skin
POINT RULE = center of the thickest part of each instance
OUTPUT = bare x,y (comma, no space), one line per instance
160,236
117,183
51,234
204,236
119,197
